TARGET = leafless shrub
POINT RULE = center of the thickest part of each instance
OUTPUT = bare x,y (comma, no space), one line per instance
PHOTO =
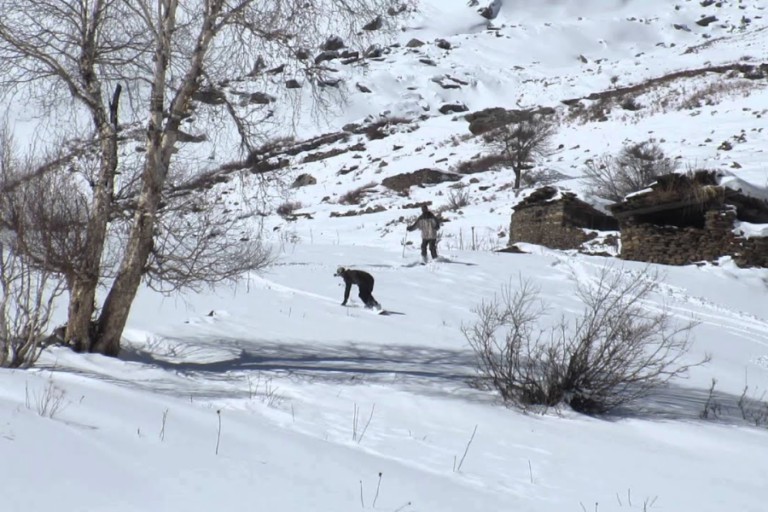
28,296
635,167
288,207
753,408
539,177
614,353
382,128
522,144
458,199
51,400
356,195
712,407
482,163
594,111
714,92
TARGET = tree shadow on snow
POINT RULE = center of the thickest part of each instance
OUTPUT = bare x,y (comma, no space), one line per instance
421,369
678,403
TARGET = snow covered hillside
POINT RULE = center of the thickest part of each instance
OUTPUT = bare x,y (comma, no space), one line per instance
272,396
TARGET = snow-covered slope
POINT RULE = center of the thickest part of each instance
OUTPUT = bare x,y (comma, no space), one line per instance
312,406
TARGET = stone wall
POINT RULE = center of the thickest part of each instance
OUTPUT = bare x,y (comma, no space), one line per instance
546,224
681,246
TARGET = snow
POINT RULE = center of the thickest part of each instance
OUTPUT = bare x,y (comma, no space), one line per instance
284,370
750,230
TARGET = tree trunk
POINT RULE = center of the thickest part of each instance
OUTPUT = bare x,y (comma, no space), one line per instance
161,139
518,175
83,284
117,305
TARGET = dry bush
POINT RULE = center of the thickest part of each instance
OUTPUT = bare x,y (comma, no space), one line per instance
28,296
613,353
522,144
356,195
714,92
381,129
457,199
288,207
482,163
635,167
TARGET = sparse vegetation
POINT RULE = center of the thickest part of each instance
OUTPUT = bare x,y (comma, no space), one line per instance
634,168
457,199
482,163
287,208
356,195
522,144
381,129
613,353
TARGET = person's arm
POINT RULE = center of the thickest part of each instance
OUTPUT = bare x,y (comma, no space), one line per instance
348,284
414,225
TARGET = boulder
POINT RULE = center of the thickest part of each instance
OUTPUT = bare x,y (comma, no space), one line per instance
454,108
374,24
404,181
333,43
489,119
304,180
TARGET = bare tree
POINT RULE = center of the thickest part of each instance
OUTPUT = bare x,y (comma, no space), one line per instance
614,353
634,168
26,303
168,59
521,144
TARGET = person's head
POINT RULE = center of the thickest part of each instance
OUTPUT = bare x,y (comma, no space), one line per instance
424,208
340,271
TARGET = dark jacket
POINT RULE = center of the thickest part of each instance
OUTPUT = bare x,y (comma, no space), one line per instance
363,280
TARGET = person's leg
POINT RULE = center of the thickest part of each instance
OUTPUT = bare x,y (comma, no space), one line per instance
368,299
424,244
433,248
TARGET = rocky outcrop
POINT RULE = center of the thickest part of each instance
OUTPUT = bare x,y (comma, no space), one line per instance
402,182
304,180
489,119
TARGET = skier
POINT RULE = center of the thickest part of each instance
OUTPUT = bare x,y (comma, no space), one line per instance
364,282
428,224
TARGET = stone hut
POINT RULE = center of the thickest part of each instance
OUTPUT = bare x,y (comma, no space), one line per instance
685,218
557,219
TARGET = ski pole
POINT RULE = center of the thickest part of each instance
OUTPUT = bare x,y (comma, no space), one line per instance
405,239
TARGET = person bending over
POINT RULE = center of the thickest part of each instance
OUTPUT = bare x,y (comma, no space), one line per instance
364,282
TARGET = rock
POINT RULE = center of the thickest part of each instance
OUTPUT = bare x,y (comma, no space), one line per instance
489,119
375,24
414,43
404,181
453,108
682,27
261,98
704,22
373,52
302,54
275,71
209,95
333,43
304,180
187,137
363,88
428,62
442,43
292,84
326,56
725,146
